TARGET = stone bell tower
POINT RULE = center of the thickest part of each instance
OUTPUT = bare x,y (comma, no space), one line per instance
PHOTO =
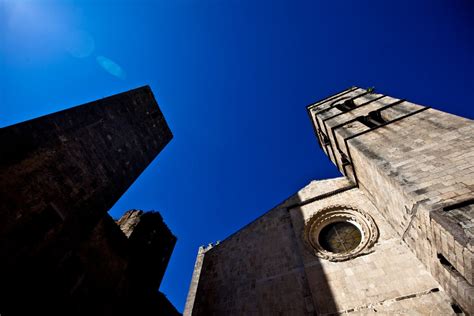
394,235
416,165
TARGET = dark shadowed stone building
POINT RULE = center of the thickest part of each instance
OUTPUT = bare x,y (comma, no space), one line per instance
393,236
59,175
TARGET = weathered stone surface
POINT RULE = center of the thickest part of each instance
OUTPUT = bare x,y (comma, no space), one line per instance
129,221
195,280
266,268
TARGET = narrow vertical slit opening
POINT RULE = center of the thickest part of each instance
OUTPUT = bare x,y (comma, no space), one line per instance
457,309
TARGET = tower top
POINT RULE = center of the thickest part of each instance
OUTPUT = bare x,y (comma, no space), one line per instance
344,117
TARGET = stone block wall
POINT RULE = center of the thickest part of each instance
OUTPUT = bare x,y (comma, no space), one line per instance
256,265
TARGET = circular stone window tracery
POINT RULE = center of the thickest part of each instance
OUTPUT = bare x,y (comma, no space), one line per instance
340,233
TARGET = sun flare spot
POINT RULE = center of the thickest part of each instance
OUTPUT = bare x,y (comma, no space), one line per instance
111,67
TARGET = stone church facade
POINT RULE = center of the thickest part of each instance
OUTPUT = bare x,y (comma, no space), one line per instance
394,235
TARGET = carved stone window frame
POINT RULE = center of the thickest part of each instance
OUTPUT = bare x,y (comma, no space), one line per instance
340,213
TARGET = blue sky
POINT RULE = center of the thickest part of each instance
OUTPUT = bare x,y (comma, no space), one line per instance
233,79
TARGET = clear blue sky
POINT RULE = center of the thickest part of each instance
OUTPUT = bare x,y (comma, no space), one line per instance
233,79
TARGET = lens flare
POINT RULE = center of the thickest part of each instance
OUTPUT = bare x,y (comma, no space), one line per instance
111,67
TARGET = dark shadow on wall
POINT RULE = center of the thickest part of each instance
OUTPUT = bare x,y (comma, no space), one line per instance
316,282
